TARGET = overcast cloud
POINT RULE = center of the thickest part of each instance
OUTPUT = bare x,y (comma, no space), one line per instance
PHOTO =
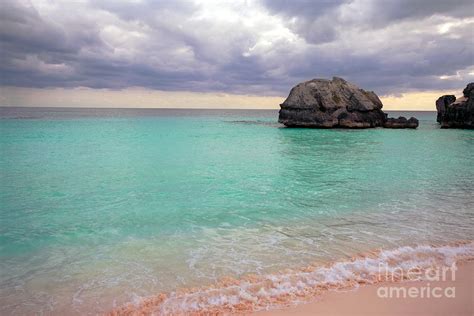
246,47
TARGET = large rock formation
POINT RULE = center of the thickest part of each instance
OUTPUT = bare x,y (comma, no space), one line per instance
457,113
321,103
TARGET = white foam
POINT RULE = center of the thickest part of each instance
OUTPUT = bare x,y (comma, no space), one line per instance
265,291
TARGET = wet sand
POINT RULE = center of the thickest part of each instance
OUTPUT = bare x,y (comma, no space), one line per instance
366,301
375,283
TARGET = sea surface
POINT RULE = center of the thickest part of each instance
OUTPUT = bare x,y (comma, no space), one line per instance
100,207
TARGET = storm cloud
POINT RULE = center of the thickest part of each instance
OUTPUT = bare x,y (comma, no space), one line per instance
245,47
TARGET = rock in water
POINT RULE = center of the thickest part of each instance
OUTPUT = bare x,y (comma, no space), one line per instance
401,122
441,105
457,113
322,103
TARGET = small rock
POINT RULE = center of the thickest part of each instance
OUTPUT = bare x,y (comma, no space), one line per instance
401,122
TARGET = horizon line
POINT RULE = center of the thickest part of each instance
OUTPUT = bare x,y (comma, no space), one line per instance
168,108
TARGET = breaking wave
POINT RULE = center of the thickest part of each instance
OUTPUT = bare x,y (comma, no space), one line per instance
293,286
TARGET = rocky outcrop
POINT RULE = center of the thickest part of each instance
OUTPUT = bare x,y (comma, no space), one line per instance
321,103
401,122
457,113
441,105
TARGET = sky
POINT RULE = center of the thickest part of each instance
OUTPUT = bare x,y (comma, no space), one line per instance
230,54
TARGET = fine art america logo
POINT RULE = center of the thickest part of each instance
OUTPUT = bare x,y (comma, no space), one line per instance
424,290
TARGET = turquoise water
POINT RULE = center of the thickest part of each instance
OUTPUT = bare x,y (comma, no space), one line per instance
100,207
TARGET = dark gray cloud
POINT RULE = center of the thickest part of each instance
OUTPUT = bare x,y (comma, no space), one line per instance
257,47
322,21
393,10
302,8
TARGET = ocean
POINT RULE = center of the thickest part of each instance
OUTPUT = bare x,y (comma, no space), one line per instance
103,207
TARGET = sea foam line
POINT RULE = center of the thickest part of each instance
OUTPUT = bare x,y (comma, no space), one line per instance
258,292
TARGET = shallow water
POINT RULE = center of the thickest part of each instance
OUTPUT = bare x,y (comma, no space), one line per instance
101,207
